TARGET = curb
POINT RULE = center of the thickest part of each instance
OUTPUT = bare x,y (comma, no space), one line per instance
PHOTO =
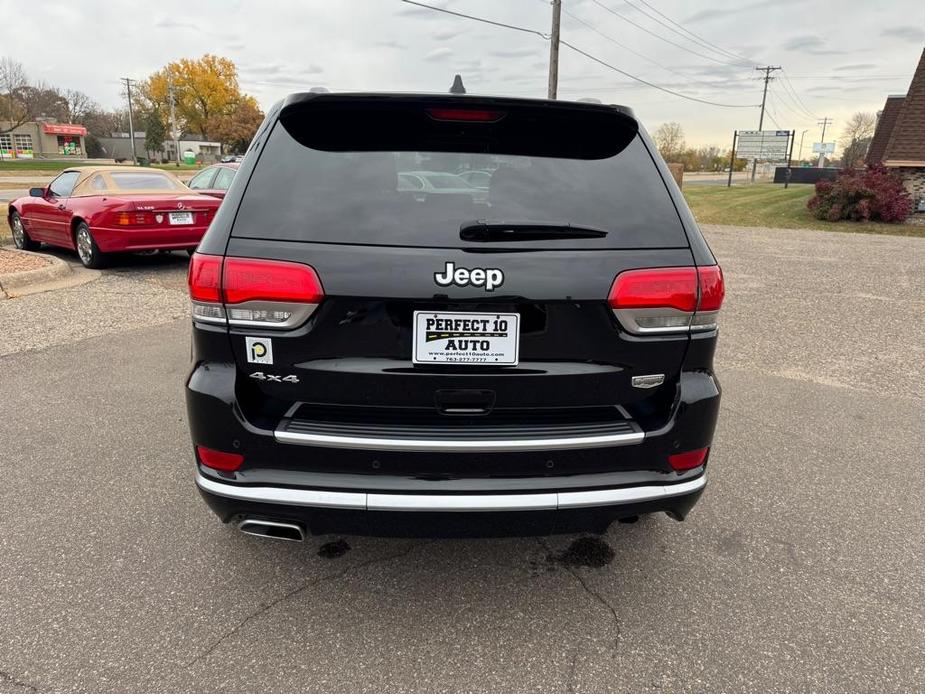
14,284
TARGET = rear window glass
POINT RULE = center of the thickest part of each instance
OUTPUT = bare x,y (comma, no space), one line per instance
420,197
143,181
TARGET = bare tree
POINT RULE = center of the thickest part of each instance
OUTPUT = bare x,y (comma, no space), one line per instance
13,110
79,105
669,138
856,138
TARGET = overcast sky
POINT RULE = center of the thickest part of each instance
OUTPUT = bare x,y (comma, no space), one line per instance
841,56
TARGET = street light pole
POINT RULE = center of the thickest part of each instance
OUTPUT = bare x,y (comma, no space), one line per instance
131,124
801,144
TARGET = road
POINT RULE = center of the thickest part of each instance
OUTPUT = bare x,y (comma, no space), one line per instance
802,568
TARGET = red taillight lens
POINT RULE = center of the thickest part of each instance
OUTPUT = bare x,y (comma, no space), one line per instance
672,287
204,277
688,460
219,460
249,279
712,288
465,114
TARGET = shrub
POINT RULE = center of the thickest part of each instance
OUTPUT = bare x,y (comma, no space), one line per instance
874,194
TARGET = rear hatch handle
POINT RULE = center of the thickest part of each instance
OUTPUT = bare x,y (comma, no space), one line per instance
493,231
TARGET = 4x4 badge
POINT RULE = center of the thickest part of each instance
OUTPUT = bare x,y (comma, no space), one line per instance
478,277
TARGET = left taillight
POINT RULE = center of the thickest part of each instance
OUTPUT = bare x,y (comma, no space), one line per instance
667,300
252,292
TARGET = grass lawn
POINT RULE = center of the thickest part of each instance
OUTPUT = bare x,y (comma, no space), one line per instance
770,205
31,166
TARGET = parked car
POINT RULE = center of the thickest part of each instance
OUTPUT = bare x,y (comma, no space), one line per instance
214,180
425,183
476,179
366,362
98,210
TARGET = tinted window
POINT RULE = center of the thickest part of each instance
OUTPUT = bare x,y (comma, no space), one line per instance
224,178
202,180
62,186
300,193
143,181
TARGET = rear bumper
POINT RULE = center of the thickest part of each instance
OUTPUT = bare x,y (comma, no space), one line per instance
488,515
451,503
126,240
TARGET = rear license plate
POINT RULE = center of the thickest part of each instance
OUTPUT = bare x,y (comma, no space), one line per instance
180,217
466,338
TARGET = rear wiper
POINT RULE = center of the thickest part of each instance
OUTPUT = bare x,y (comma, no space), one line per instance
483,230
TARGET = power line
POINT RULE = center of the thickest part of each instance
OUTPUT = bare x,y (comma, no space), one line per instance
581,52
662,38
635,52
791,94
687,34
478,19
793,91
650,84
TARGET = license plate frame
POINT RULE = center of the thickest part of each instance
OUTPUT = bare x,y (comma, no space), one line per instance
180,218
501,331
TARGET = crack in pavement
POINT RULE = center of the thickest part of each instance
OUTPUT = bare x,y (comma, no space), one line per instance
593,593
295,591
8,678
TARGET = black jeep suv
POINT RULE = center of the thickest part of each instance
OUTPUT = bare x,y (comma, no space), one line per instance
414,314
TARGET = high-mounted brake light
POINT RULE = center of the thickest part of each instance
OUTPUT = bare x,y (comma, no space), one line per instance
667,300
252,292
466,114
219,460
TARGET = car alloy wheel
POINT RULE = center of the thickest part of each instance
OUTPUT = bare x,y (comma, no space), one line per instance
85,246
19,234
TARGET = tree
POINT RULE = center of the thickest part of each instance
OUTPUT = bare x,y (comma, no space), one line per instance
155,131
78,105
13,110
205,91
237,128
856,138
669,138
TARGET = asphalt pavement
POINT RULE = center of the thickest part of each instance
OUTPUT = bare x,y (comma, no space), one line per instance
801,569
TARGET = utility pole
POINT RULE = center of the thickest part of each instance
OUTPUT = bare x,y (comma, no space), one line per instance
554,50
801,145
824,122
767,70
174,134
131,124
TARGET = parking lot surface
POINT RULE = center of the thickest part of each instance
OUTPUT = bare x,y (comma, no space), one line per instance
801,569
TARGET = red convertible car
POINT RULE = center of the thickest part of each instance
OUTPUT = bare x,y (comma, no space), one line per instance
102,210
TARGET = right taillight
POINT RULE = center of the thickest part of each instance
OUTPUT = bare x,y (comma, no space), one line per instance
667,300
252,292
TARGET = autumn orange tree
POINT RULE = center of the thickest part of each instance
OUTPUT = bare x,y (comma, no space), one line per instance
207,98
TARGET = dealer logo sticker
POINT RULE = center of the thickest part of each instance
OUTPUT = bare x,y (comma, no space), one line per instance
259,350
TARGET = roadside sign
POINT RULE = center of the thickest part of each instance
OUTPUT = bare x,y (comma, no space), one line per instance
823,147
763,145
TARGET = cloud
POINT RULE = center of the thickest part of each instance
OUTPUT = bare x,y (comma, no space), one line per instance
514,53
905,33
175,24
446,34
704,15
809,43
438,54
854,67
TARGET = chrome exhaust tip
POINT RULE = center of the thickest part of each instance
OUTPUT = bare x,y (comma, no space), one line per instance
277,530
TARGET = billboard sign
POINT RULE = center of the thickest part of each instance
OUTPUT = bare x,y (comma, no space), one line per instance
763,145
823,147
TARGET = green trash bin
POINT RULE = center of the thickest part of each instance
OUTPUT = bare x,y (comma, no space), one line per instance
189,157
144,161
